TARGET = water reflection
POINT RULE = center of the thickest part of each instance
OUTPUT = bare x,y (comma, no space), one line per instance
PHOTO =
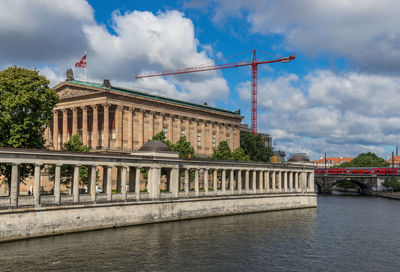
343,234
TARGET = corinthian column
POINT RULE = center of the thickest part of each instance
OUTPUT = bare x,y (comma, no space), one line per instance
65,126
74,120
55,130
106,129
118,126
84,126
130,126
95,127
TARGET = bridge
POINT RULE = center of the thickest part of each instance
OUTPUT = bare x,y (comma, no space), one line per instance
368,179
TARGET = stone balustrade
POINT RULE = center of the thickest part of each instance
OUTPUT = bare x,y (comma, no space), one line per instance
166,177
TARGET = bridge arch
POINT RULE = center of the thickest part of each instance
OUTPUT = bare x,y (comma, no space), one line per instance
318,188
364,189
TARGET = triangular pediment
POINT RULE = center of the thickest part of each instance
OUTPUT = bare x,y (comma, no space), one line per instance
68,92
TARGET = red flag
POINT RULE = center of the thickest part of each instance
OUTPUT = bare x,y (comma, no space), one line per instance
81,62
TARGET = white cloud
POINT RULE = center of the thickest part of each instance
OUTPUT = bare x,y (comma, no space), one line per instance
343,113
52,35
365,31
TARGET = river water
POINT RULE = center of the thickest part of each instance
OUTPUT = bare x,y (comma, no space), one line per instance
342,234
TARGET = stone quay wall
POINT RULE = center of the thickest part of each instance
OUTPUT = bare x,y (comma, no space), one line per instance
193,188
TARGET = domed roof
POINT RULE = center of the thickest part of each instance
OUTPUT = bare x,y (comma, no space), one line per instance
154,146
299,157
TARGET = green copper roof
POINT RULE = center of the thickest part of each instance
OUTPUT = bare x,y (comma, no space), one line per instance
151,96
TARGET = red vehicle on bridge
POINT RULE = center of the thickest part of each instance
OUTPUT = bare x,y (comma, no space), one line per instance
363,171
337,171
385,171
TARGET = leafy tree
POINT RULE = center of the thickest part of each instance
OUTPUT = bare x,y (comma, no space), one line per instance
184,148
392,182
240,155
365,160
25,110
222,152
162,138
26,106
254,146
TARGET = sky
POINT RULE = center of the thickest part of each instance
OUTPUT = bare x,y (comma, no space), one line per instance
340,96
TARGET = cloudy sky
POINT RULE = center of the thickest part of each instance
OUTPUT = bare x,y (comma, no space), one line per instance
340,96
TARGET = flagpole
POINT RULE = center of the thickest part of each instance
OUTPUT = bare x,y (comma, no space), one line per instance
85,65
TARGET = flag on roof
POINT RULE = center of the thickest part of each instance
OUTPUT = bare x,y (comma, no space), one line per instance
81,62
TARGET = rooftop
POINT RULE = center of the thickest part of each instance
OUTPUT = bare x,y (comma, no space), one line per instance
152,96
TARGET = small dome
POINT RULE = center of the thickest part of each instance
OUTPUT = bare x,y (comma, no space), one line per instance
299,157
154,146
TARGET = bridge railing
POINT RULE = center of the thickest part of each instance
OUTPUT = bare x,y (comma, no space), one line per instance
142,176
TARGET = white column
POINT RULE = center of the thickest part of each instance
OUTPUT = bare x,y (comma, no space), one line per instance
273,175
239,181
75,185
109,183
174,182
291,181
36,186
247,174
123,182
57,181
14,189
215,181
154,176
206,181
254,184
187,183
137,182
196,182
311,189
261,182
92,180
231,180
266,180
296,181
285,181
223,181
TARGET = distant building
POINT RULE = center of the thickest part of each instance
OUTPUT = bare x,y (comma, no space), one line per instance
331,161
396,161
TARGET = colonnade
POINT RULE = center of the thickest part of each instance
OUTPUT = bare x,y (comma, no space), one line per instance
111,126
160,178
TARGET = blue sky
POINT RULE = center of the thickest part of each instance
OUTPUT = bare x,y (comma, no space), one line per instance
340,95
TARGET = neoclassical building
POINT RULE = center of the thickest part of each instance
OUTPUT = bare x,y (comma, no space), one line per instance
111,118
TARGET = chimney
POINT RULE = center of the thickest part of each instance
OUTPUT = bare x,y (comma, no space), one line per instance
106,83
70,74
205,103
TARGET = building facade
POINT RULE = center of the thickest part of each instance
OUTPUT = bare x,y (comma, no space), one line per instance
330,161
110,118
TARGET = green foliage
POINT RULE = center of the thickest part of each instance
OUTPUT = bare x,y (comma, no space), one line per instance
222,152
365,160
75,145
25,107
392,182
347,184
240,155
25,110
254,146
183,147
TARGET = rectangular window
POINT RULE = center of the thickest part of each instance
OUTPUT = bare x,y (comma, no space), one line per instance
198,139
227,139
182,133
213,140
165,132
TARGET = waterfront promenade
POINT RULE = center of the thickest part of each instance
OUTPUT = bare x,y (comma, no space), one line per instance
175,189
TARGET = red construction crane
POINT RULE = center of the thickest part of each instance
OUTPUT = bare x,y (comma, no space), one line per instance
253,63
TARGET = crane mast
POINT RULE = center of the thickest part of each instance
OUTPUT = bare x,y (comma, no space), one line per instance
254,67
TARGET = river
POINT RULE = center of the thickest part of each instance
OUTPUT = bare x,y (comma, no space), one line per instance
342,234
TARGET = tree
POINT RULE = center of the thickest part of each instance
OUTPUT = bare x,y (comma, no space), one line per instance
240,155
26,106
184,148
392,182
222,152
254,146
161,137
365,160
